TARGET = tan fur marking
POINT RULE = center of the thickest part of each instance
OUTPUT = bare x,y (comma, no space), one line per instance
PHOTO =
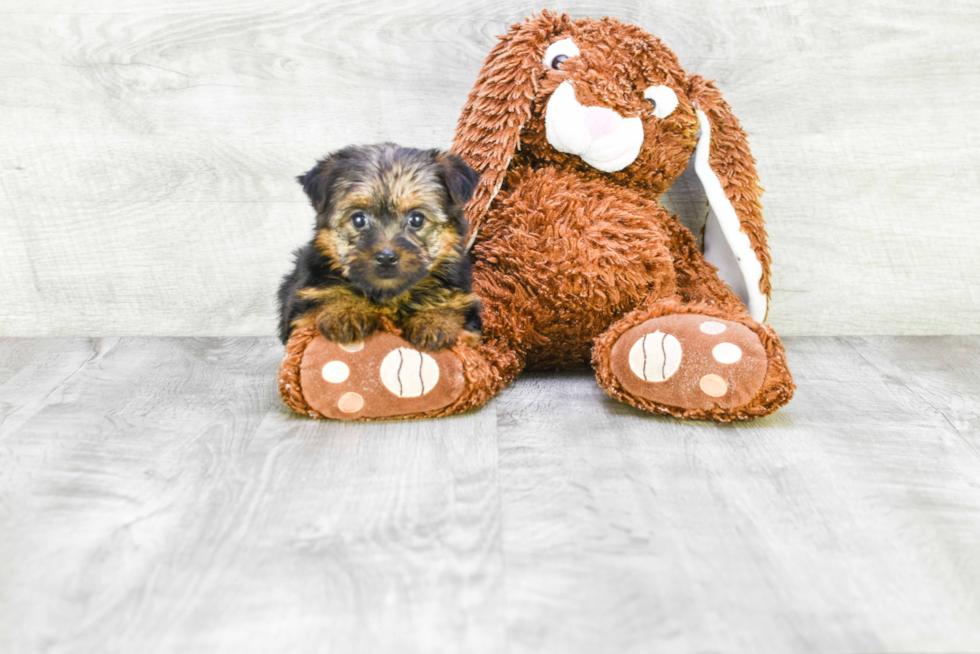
358,197
444,247
334,246
342,315
437,318
410,188
433,330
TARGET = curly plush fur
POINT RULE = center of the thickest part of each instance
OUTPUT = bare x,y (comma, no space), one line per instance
569,258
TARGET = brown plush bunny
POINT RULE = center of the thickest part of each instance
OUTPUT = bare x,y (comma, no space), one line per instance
576,128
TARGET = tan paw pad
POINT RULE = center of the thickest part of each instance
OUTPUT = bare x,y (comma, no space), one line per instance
382,377
350,402
690,361
713,385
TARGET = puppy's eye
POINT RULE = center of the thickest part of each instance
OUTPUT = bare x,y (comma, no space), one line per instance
358,220
662,99
416,219
558,52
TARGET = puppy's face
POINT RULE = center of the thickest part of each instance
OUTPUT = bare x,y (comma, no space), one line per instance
387,216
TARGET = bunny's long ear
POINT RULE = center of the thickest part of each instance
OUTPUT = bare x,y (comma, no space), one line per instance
498,106
735,233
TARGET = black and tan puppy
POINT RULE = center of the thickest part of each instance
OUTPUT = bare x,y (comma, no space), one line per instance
388,242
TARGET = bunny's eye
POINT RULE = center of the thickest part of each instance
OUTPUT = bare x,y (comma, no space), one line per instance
558,52
662,99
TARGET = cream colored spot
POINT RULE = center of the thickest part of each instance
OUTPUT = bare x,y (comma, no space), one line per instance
350,402
726,353
336,372
713,385
712,327
409,373
655,357
356,346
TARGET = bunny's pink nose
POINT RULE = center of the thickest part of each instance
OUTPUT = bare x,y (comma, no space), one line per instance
601,121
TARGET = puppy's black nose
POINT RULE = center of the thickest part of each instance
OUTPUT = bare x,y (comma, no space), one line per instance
386,257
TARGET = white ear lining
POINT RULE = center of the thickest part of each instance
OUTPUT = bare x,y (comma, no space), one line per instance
726,246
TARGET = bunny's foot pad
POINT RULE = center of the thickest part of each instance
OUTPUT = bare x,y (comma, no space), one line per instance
690,361
382,377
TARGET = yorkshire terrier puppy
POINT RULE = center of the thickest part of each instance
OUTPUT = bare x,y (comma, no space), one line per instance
389,242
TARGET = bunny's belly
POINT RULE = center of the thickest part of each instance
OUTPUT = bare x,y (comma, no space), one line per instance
557,270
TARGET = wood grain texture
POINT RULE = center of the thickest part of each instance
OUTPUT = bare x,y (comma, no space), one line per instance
160,497
148,148
156,497
833,526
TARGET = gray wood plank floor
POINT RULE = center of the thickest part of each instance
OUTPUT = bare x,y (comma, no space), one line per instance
155,496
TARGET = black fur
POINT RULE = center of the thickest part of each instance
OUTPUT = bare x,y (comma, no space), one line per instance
460,179
312,268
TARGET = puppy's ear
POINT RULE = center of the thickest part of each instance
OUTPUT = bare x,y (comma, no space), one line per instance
460,179
318,181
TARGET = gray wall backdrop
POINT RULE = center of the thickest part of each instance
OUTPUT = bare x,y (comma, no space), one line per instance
148,147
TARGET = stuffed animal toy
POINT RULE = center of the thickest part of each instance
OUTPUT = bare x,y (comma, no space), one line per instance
577,127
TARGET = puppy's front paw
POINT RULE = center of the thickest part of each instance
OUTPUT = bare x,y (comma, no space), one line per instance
348,328
433,330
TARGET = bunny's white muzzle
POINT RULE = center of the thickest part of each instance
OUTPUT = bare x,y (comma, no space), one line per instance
599,136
